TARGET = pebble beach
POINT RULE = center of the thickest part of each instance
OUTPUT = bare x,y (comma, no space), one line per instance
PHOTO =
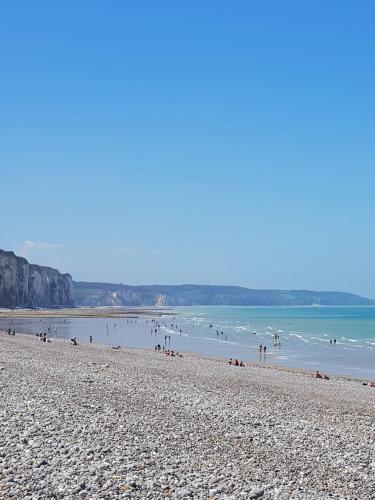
91,422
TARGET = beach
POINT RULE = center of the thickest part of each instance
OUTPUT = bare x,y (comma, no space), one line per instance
303,333
89,421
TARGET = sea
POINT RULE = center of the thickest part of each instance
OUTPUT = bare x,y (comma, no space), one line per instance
297,337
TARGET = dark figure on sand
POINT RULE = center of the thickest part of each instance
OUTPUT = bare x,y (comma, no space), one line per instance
317,374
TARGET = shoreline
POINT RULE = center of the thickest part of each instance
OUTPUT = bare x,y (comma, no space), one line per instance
350,360
198,356
90,421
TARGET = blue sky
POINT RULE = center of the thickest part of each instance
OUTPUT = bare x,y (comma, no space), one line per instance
173,142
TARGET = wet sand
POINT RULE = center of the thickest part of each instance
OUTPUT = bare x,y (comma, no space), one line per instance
86,312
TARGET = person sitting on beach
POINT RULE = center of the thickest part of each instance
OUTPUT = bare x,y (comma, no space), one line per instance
73,340
317,374
230,361
241,364
236,362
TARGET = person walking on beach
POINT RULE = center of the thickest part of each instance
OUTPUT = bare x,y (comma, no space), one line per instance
90,339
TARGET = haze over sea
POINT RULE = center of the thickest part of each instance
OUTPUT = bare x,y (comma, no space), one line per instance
304,334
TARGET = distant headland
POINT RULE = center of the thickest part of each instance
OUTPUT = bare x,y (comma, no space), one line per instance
106,294
30,286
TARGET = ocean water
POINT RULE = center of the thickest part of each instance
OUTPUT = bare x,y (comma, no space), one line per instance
304,334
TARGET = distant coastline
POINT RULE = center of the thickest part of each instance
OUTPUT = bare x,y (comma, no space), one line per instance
111,294
32,286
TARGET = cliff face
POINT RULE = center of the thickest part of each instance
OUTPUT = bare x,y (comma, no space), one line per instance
28,285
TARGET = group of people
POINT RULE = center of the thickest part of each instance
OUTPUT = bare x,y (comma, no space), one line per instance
235,362
332,342
276,340
167,352
222,334
262,348
43,336
10,332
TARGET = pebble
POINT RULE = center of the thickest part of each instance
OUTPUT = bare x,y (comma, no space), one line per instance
150,427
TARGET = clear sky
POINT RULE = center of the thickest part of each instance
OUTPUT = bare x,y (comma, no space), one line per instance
227,142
